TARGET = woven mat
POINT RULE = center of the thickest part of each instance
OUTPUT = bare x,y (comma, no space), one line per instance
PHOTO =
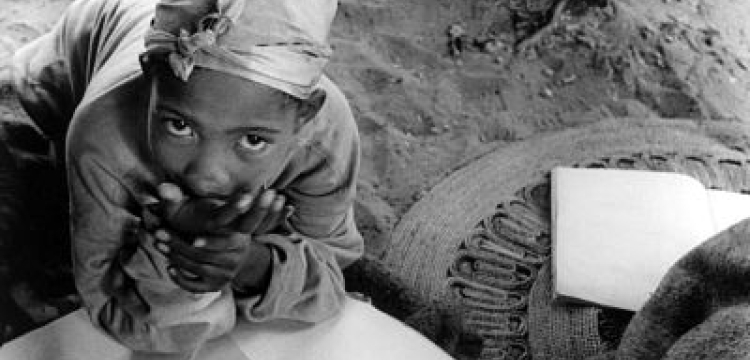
481,236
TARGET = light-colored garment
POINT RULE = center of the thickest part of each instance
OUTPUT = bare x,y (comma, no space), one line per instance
83,81
358,332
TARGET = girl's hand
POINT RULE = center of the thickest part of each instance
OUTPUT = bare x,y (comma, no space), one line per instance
210,263
245,212
208,243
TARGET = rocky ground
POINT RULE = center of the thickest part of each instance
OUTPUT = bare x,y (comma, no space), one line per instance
437,83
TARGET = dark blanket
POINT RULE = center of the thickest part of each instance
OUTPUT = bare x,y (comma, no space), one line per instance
701,308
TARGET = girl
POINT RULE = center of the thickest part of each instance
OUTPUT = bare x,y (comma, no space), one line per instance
189,126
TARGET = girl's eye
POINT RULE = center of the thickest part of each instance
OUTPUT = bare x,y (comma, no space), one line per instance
178,128
253,143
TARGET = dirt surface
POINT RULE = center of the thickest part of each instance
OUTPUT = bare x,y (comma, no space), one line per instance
424,110
437,83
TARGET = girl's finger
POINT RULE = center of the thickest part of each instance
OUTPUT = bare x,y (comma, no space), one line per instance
196,285
253,218
221,243
200,270
238,205
288,211
163,235
274,216
223,256
188,274
172,198
163,239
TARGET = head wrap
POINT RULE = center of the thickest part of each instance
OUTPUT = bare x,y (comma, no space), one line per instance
279,43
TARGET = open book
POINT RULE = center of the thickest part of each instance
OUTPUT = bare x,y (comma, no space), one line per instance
616,233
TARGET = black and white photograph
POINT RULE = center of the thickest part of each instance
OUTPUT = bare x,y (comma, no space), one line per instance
374,179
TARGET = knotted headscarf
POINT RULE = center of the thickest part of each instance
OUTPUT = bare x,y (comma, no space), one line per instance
278,43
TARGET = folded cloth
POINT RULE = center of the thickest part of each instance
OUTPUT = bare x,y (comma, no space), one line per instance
701,308
279,43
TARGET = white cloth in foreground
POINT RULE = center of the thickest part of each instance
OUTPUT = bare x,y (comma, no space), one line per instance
359,332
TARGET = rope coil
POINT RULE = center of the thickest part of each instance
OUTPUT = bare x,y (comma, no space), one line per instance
482,236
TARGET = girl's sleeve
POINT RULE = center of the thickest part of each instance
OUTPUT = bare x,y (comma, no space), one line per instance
44,82
306,280
52,73
121,277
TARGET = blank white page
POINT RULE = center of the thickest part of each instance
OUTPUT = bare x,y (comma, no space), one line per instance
728,208
617,232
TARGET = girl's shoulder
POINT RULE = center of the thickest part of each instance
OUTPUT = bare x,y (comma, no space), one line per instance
334,126
113,127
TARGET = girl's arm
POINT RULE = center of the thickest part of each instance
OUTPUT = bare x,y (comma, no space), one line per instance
306,281
122,279
53,73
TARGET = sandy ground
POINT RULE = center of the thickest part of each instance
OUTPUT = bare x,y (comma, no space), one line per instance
428,100
422,112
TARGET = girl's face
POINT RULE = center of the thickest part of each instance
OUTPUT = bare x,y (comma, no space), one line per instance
218,134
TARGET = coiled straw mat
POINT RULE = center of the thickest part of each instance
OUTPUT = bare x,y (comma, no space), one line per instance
479,238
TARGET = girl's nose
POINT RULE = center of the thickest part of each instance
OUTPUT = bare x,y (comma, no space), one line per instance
208,177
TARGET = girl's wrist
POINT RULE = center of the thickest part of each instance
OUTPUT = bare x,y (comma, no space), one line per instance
255,275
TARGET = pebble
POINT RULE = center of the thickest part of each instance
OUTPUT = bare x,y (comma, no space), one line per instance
531,54
546,92
609,11
419,195
489,46
569,79
456,31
